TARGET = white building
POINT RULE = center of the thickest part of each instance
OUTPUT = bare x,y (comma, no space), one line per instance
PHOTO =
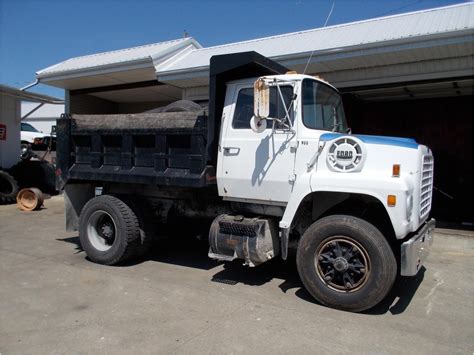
10,120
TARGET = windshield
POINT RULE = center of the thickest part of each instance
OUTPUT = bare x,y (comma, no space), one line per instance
28,128
322,107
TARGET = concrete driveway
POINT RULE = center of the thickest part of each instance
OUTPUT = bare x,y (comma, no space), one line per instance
53,300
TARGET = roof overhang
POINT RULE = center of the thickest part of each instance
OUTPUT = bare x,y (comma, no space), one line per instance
96,73
28,96
446,54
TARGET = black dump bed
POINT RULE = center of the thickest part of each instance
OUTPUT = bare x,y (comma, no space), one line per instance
161,148
167,148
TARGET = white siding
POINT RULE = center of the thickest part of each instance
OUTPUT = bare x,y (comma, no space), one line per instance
9,116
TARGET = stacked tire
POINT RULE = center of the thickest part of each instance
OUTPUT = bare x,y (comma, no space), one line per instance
8,188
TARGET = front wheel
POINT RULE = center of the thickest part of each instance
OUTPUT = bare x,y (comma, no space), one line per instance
345,262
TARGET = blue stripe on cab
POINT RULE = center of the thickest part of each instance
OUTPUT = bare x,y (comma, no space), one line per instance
395,141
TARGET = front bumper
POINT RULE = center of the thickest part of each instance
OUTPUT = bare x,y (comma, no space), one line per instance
415,250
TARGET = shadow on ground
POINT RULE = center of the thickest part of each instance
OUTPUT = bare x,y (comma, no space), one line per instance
191,252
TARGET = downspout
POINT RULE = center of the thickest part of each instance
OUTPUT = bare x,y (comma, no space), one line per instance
36,82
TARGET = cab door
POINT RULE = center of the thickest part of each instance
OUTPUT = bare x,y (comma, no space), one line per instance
254,166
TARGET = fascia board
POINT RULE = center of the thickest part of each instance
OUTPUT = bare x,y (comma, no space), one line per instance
104,69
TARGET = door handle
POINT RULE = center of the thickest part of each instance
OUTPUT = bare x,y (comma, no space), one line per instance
231,150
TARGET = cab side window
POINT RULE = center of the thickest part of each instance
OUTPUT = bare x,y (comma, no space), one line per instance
243,109
244,106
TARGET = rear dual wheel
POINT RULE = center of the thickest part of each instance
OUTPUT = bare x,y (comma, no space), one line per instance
345,262
111,231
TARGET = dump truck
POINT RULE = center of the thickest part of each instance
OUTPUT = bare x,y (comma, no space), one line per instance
271,165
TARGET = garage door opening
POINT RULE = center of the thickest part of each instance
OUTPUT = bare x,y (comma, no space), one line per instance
437,114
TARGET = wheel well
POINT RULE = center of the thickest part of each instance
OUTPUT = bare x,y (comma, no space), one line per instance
323,203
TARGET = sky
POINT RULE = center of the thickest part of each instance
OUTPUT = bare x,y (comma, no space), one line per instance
35,34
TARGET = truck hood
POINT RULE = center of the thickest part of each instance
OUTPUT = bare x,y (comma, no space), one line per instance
374,155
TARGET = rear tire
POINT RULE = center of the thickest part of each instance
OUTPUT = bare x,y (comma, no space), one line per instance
8,188
140,208
109,230
346,263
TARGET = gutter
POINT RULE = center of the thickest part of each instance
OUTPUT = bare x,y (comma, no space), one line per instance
36,82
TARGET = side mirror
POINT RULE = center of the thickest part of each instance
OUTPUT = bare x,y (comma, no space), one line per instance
261,97
257,124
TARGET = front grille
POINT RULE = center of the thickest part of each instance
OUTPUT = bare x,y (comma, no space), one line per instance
426,189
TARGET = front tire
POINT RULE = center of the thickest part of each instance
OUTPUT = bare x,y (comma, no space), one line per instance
346,263
109,230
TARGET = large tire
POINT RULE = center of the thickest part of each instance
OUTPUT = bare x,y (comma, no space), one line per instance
346,263
8,188
139,207
39,174
109,230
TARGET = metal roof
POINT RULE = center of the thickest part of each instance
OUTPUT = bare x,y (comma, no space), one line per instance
151,53
433,43
407,27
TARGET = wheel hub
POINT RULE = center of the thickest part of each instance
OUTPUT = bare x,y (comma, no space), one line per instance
101,230
107,230
342,264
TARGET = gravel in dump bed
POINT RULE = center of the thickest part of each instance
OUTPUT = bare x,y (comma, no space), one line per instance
161,120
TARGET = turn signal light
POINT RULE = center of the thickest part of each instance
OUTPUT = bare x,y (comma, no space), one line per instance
391,200
396,170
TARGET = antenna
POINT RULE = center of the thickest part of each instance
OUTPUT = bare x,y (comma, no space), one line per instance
325,23
330,12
